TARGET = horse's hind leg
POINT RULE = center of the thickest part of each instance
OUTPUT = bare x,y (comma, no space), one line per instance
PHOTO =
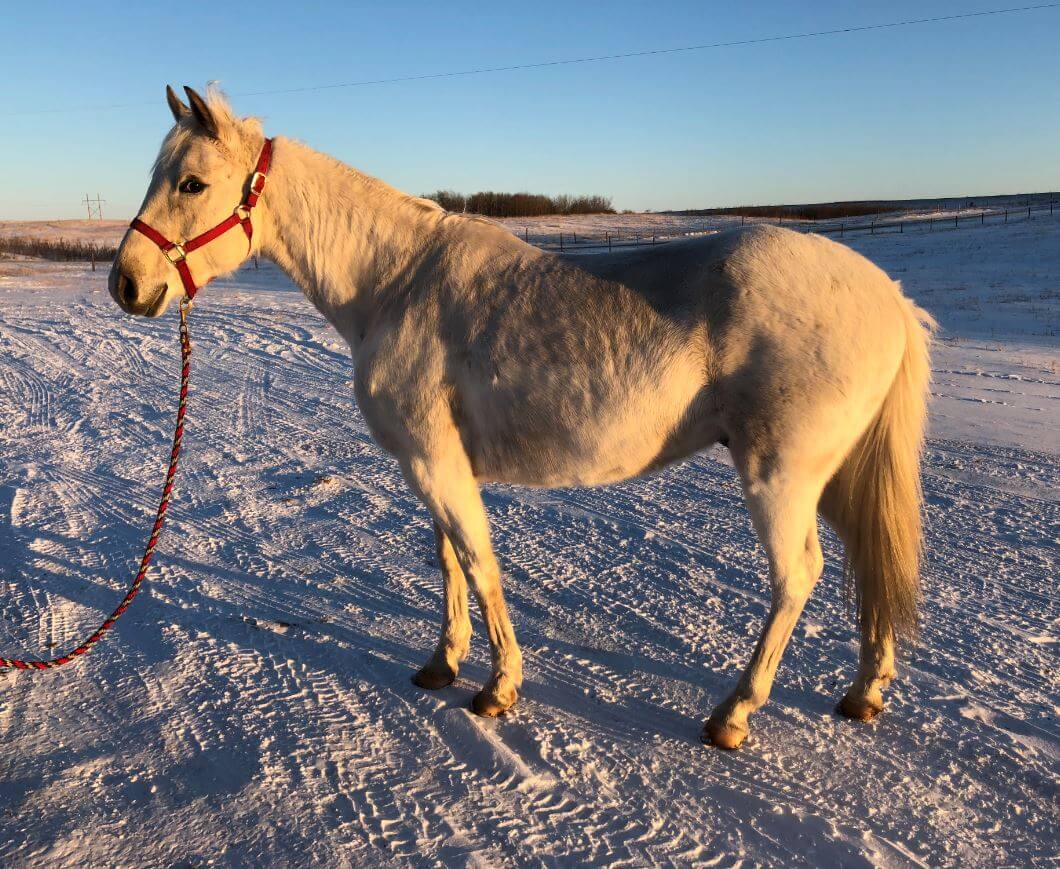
783,508
442,668
864,700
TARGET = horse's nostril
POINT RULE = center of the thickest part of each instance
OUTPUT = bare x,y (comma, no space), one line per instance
126,290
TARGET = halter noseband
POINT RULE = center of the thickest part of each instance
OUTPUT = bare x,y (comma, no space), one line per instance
177,252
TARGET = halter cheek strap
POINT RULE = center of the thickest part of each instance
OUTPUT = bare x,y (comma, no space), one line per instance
177,252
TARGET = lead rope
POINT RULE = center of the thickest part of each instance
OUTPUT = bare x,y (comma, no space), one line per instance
160,517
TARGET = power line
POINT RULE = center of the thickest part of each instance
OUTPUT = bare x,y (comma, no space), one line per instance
814,34
650,52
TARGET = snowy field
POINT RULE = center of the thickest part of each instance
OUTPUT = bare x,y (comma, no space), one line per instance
254,706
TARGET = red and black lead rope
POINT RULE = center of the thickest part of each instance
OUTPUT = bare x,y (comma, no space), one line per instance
176,253
156,531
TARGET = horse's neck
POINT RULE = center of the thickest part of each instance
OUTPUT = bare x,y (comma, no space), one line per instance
342,236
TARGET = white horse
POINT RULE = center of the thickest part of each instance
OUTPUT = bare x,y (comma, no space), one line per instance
481,358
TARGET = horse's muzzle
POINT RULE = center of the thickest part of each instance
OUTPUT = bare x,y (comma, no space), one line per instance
128,295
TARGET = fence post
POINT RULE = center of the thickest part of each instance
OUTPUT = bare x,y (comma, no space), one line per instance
982,218
1006,215
575,237
609,241
955,219
873,228
901,226
561,241
526,234
653,239
1028,212
840,230
93,257
636,238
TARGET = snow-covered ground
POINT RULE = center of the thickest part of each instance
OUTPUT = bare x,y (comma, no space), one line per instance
254,706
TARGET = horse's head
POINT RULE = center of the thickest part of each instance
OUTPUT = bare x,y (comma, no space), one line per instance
202,172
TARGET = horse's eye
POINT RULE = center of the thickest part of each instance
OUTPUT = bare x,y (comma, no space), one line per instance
191,185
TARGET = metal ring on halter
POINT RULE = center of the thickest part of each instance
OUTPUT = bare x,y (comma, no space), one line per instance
181,253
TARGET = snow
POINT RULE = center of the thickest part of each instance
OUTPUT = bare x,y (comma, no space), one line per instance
254,706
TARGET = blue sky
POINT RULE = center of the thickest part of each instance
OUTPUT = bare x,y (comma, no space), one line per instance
964,107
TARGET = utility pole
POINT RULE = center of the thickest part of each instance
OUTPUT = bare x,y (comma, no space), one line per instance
95,205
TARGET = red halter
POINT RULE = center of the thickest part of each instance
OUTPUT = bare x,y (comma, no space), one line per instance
177,252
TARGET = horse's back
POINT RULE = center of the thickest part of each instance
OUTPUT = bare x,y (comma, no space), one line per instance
762,258
673,277
764,281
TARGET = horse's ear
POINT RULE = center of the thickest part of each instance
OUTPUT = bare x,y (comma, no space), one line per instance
202,112
178,108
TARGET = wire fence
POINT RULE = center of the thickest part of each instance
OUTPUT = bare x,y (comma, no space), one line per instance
572,242
979,217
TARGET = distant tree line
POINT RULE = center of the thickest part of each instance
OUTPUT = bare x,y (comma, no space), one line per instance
818,211
492,204
60,249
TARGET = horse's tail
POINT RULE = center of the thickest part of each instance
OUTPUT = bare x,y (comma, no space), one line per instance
874,500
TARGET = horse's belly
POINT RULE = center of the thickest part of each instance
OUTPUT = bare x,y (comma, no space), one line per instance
548,447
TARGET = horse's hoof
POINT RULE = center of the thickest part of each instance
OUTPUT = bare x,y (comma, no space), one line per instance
723,734
858,708
495,699
434,676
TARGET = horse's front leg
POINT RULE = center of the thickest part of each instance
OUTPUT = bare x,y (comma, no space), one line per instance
442,668
440,474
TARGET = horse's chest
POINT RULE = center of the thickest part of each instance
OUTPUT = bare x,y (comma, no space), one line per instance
379,403
394,398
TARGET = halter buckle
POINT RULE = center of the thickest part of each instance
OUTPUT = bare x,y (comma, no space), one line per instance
242,211
175,254
254,179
